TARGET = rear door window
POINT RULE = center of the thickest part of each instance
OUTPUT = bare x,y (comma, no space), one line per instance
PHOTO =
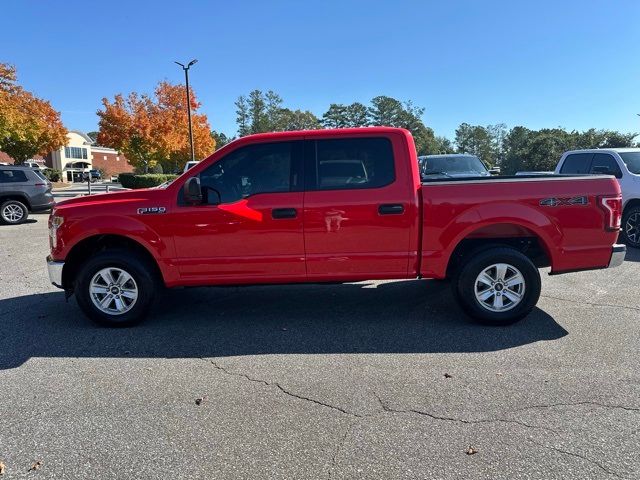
605,163
12,176
353,163
577,163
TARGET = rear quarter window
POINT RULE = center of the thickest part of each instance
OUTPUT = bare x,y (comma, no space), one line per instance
577,163
354,163
12,176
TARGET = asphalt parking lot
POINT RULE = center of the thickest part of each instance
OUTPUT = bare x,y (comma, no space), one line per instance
370,380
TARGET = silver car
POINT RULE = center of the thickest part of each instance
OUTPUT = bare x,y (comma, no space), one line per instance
22,190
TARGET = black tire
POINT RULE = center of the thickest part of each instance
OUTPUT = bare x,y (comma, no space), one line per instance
145,284
631,227
464,286
8,211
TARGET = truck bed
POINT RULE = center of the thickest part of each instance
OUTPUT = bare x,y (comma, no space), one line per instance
559,214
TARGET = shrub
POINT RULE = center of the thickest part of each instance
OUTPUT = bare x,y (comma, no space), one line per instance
157,168
131,180
52,174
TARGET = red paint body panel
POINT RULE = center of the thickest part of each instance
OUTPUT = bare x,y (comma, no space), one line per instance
339,235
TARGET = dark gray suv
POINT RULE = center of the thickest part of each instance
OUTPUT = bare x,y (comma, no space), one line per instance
23,190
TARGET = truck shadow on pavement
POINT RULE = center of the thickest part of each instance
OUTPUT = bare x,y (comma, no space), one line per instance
395,317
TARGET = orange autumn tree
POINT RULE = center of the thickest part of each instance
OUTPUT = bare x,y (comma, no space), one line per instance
154,130
29,126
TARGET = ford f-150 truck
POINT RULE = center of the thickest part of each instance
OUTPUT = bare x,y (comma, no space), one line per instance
332,206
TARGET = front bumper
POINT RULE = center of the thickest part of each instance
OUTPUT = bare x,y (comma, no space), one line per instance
55,271
618,253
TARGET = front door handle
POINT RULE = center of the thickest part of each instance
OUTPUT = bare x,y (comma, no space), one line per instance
391,209
279,213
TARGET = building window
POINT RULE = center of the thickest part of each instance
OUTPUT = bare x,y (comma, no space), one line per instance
105,157
75,152
118,159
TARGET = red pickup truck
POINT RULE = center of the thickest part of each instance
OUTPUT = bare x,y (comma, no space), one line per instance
332,206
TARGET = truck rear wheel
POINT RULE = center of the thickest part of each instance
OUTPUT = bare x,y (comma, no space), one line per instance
115,288
498,286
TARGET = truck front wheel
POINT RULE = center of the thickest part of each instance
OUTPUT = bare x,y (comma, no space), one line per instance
115,288
498,286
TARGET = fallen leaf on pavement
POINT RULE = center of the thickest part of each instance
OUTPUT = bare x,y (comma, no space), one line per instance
36,465
447,375
2,468
471,450
200,400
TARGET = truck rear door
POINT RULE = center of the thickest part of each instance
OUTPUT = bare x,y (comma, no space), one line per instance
359,207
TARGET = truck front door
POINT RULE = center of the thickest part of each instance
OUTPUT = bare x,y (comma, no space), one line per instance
249,226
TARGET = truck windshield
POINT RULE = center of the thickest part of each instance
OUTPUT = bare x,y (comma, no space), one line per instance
632,161
452,166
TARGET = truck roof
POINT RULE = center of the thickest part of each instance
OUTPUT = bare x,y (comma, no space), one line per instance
329,132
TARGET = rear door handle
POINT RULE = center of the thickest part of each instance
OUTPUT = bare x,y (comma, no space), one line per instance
391,209
279,213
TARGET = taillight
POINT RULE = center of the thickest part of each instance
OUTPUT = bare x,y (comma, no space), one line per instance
612,207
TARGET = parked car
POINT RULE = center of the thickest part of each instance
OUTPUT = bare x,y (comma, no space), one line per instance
622,163
23,190
280,208
93,174
452,166
33,165
190,164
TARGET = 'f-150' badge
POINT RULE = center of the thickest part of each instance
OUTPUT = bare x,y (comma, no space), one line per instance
151,210
556,202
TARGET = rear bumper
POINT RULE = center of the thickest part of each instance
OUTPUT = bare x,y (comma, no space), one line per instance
55,271
42,202
617,255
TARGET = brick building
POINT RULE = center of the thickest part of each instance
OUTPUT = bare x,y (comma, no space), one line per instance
80,155
109,161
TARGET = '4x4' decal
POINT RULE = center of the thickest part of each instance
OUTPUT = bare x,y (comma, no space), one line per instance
556,202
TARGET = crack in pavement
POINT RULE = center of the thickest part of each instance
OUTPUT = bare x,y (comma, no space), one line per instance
577,455
334,459
575,404
605,305
283,390
386,408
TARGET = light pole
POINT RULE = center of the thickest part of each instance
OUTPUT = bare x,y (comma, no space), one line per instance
186,77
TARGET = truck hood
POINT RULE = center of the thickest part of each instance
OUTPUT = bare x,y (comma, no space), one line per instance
106,199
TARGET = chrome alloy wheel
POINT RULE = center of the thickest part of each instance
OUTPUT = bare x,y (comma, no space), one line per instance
632,228
12,213
499,287
113,291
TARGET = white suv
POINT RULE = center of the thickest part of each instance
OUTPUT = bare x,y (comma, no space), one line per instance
624,164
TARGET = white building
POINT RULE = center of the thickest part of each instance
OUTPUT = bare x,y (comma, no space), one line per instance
74,158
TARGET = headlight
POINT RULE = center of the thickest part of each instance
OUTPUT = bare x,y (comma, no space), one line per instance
54,223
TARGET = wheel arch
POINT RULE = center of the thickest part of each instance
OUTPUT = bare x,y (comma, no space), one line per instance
96,243
522,238
634,202
16,196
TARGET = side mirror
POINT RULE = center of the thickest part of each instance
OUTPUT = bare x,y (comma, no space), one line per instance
192,191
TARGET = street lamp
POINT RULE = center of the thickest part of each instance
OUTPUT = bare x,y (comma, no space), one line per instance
186,77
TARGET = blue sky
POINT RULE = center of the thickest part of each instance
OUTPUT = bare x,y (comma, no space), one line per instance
539,64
